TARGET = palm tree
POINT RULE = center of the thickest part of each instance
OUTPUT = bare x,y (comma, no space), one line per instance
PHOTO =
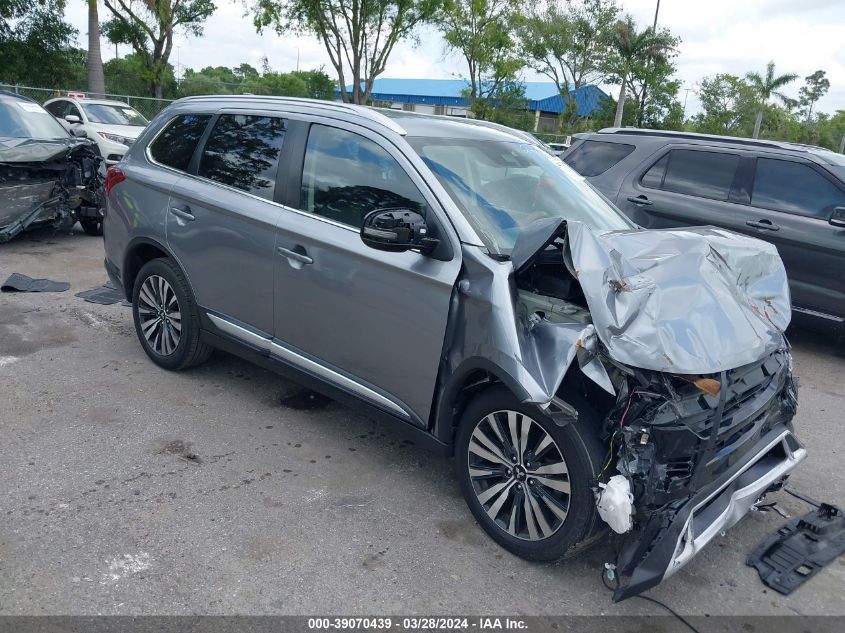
628,47
767,87
96,80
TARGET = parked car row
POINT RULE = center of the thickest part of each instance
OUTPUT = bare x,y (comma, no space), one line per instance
458,281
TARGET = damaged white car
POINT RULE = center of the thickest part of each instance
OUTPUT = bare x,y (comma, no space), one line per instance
470,288
47,176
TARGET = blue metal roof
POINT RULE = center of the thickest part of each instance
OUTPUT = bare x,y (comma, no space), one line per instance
541,95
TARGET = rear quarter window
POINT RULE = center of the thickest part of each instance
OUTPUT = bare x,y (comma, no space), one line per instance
592,158
176,143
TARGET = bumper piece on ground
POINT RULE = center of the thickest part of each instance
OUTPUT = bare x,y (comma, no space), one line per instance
800,549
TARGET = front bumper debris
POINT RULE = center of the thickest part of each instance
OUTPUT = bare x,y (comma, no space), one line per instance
676,533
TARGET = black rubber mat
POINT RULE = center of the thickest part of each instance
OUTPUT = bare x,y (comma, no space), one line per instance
104,295
21,283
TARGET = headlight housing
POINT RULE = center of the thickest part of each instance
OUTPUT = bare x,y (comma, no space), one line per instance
116,138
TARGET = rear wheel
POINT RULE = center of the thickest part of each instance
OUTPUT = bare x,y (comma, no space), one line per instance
526,479
166,316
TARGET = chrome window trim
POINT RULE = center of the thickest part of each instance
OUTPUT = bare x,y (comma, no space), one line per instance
280,351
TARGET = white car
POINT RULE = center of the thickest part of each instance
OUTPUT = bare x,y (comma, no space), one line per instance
113,125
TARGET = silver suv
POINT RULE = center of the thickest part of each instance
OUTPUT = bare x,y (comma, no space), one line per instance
468,287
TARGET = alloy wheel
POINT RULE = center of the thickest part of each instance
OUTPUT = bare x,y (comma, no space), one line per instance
160,318
519,475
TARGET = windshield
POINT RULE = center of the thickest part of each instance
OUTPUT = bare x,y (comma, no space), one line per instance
24,119
113,114
502,187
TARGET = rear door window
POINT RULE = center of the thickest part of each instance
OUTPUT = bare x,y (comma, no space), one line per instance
693,172
242,151
784,185
347,175
175,145
592,158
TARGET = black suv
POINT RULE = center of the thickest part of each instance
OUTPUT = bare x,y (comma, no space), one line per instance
788,194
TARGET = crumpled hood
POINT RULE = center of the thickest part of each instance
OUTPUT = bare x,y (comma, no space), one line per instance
31,150
686,301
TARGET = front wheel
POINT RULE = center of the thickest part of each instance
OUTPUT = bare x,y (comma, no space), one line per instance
526,479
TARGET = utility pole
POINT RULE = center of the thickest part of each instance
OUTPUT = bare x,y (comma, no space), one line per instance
297,59
645,82
842,145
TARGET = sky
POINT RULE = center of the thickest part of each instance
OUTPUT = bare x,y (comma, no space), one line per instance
718,36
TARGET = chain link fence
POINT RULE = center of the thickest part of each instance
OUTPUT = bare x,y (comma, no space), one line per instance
148,106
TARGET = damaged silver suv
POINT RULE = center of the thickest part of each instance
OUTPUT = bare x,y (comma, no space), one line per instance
470,288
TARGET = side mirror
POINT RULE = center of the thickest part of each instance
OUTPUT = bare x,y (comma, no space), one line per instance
73,119
837,218
397,230
79,132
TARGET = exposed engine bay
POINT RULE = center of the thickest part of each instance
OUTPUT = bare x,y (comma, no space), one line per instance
49,183
688,454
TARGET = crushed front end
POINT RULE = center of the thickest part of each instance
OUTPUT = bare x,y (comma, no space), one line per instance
697,453
48,183
678,338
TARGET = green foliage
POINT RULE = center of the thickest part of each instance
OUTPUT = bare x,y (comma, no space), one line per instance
814,88
149,27
632,51
129,76
728,105
504,105
481,30
36,44
358,35
566,41
243,79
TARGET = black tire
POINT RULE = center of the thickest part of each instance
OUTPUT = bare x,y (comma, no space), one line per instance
581,453
189,349
92,226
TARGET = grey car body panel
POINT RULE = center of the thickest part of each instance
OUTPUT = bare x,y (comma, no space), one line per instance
812,250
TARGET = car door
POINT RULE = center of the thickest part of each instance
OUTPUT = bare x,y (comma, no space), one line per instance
222,217
791,200
682,186
372,322
60,109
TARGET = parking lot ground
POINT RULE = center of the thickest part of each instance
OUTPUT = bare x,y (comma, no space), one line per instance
126,489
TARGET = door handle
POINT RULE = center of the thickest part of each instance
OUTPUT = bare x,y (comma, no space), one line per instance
766,225
640,200
183,212
294,256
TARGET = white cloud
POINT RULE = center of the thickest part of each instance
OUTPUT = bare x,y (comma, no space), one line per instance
717,36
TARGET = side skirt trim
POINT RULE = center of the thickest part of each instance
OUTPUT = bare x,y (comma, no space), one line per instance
285,354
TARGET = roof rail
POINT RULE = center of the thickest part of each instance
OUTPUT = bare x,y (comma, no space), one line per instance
695,136
357,110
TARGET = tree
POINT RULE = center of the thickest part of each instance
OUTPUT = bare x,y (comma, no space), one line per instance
566,41
481,31
727,106
148,27
358,35
94,60
651,84
628,49
765,88
814,88
36,44
128,76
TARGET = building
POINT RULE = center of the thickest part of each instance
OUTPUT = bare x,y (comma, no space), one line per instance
443,96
